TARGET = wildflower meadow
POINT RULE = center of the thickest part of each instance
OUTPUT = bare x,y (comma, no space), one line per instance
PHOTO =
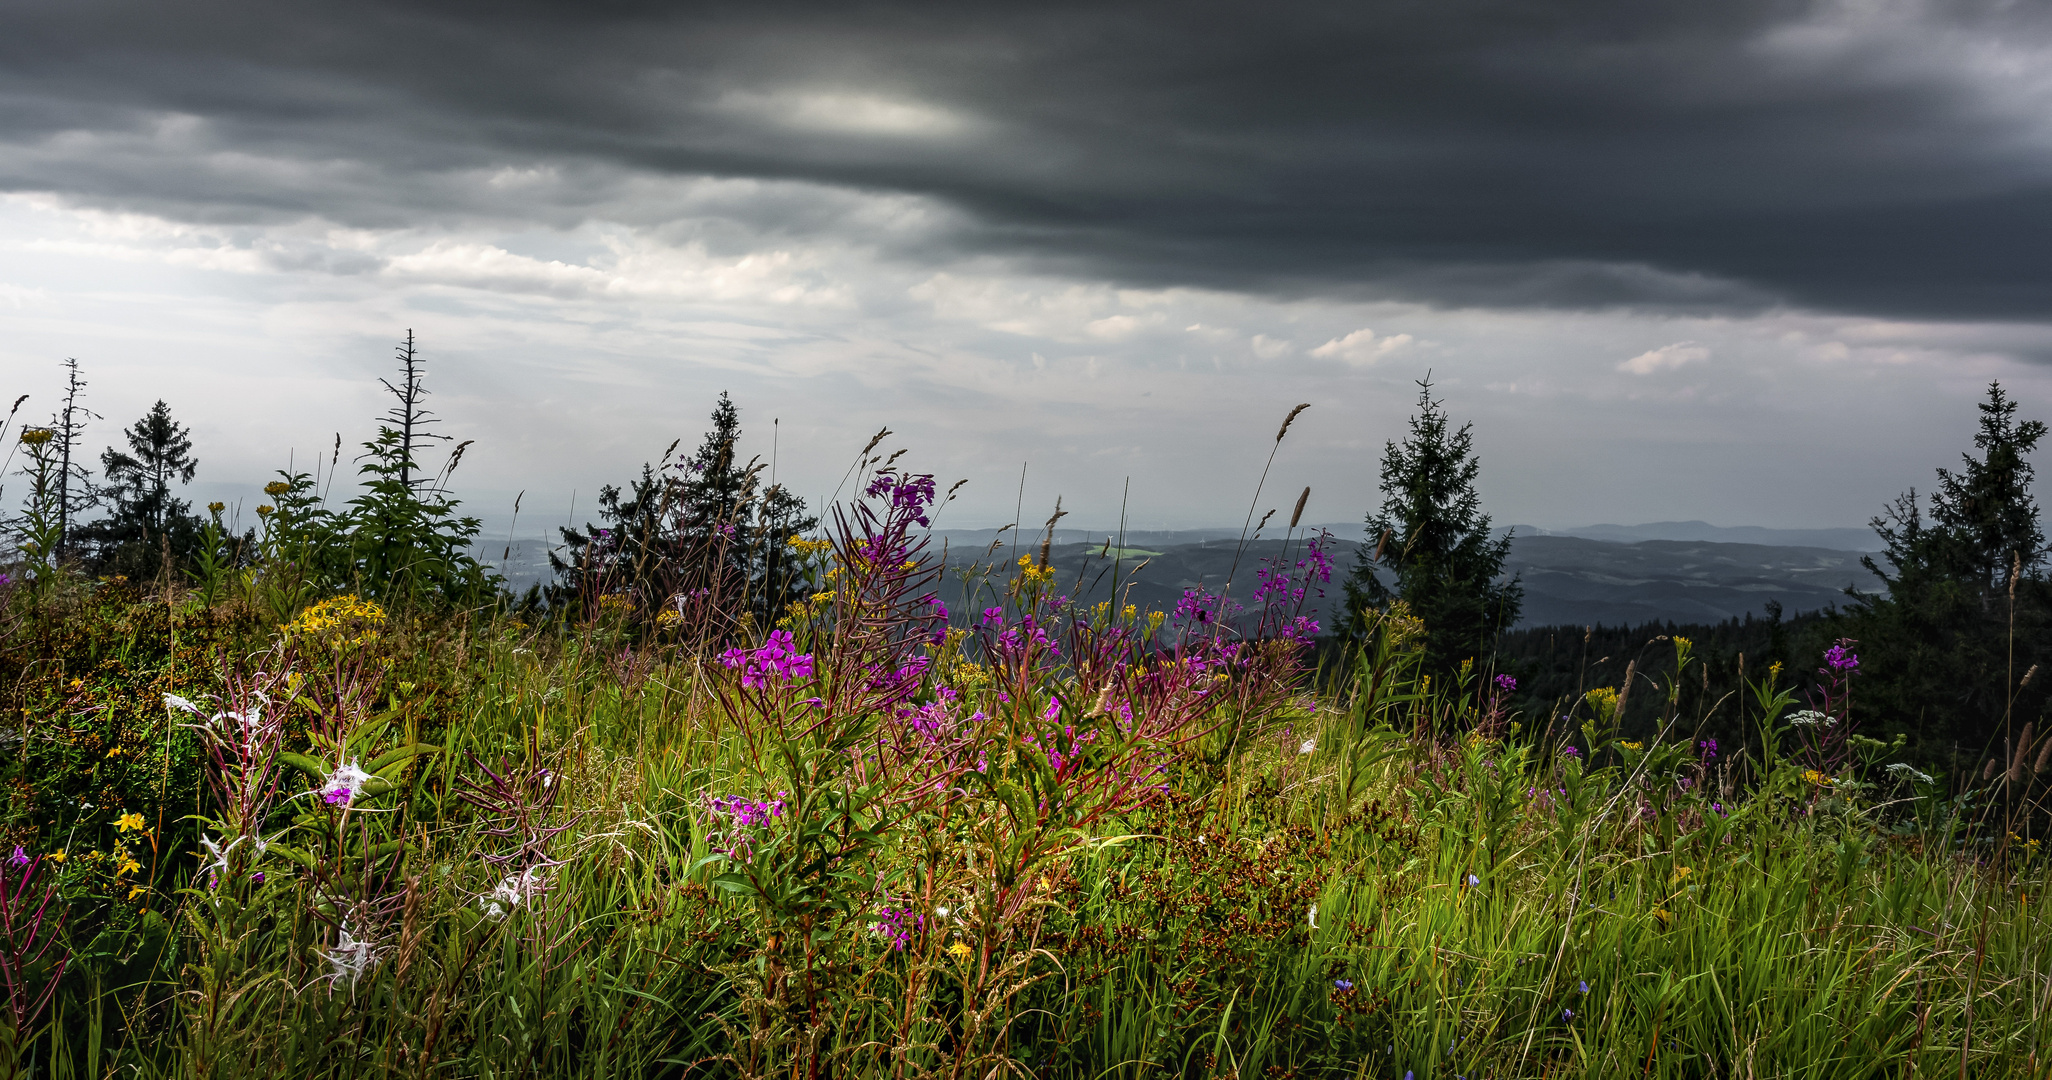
751,800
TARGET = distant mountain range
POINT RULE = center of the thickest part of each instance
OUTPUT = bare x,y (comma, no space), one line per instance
1696,531
1568,579
1686,571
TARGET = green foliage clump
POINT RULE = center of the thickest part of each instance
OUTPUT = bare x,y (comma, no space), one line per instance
700,539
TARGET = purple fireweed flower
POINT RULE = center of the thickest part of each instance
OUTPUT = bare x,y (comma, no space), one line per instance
19,858
1839,659
1570,751
1709,749
897,926
1505,684
993,615
257,877
777,661
911,494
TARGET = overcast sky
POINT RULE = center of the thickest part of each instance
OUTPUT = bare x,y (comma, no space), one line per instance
1747,262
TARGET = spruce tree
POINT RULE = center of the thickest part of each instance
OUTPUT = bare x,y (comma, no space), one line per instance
147,520
1966,604
1430,546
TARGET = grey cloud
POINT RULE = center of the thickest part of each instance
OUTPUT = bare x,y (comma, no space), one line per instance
1675,155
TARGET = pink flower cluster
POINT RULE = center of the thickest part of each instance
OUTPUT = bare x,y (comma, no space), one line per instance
897,925
748,813
777,662
910,495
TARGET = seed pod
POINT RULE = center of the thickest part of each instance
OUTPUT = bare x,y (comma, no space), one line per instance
1298,515
2016,763
2044,757
2027,677
1988,771
1288,420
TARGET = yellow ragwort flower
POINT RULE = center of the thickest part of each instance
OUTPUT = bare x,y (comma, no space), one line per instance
276,488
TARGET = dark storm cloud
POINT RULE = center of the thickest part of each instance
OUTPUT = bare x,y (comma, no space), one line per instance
1880,158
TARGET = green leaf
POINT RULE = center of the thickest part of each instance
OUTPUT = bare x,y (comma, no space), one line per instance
305,764
394,758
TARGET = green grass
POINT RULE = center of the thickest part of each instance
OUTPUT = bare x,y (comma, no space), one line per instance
1808,931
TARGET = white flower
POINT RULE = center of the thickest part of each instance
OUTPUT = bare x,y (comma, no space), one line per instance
1202,840
1902,771
518,889
344,784
217,856
1309,745
492,910
1312,919
350,958
941,911
173,701
1811,718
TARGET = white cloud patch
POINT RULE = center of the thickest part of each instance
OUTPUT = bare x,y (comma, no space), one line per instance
1361,347
1665,358
844,112
1269,348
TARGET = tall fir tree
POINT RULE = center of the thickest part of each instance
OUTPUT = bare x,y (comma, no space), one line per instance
1430,546
1966,606
147,520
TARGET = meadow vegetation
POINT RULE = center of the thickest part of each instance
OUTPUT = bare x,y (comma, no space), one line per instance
736,801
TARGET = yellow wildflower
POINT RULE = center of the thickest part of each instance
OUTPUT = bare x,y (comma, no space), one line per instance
1129,611
36,436
341,620
216,507
129,822
127,865
1680,872
1602,701
57,857
1632,745
1814,777
137,891
960,950
277,488
1662,916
